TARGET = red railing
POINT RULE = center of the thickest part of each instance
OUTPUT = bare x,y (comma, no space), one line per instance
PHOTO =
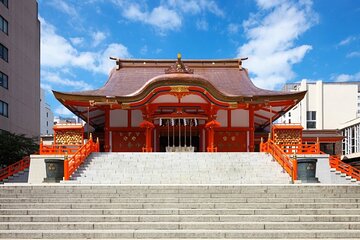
71,164
288,164
303,148
335,162
58,149
15,168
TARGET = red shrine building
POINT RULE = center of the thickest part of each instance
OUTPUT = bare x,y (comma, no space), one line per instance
179,105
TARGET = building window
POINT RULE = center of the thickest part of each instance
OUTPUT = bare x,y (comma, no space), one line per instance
289,114
47,114
4,80
311,119
3,109
5,2
3,24
3,52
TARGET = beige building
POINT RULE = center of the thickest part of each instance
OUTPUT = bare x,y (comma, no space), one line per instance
20,67
327,105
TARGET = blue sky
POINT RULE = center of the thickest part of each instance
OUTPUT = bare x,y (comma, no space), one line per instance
286,41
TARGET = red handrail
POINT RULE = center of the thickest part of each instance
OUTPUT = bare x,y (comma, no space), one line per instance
335,162
71,164
302,148
288,164
15,168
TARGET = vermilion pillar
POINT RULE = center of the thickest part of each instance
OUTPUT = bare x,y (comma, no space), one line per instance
149,126
251,129
210,128
106,130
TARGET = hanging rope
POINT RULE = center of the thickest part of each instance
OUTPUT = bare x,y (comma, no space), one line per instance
190,132
173,125
168,125
185,131
179,132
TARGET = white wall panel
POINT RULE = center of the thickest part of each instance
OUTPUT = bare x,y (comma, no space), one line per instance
118,118
240,118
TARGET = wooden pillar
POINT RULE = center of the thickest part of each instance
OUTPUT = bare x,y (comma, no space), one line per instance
210,128
148,141
148,126
251,129
106,130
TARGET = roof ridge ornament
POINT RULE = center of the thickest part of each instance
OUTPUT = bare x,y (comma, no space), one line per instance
179,67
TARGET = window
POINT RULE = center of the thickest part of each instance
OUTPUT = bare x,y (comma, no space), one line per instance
289,114
5,2
4,109
3,80
47,123
311,119
3,24
3,52
47,114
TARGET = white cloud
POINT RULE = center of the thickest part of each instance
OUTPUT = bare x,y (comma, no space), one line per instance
46,87
160,17
53,78
347,40
271,37
144,50
168,15
63,111
233,28
77,40
104,64
346,77
202,24
197,6
64,7
353,54
98,37
57,52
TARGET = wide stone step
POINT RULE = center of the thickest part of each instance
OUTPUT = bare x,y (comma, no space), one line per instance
117,199
179,218
112,211
180,225
157,234
177,205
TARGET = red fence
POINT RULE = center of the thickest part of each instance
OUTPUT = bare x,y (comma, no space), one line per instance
339,165
303,148
288,164
71,164
58,149
15,168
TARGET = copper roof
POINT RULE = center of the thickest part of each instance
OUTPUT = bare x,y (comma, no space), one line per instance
225,80
226,76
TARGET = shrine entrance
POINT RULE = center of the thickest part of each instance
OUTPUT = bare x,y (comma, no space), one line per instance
178,135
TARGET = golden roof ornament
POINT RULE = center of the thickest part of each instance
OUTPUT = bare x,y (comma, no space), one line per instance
179,67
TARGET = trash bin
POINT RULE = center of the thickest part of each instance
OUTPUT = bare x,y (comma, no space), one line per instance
54,170
307,170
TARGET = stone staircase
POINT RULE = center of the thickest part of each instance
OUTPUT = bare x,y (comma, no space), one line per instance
179,211
180,168
20,177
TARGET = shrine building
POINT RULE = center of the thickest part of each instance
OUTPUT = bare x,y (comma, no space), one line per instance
179,105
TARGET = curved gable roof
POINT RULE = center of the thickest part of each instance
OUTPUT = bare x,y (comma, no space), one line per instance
226,76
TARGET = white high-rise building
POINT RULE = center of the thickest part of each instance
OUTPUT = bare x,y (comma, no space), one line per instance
327,105
46,116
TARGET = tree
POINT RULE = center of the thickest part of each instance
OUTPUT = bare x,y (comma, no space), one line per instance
13,147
